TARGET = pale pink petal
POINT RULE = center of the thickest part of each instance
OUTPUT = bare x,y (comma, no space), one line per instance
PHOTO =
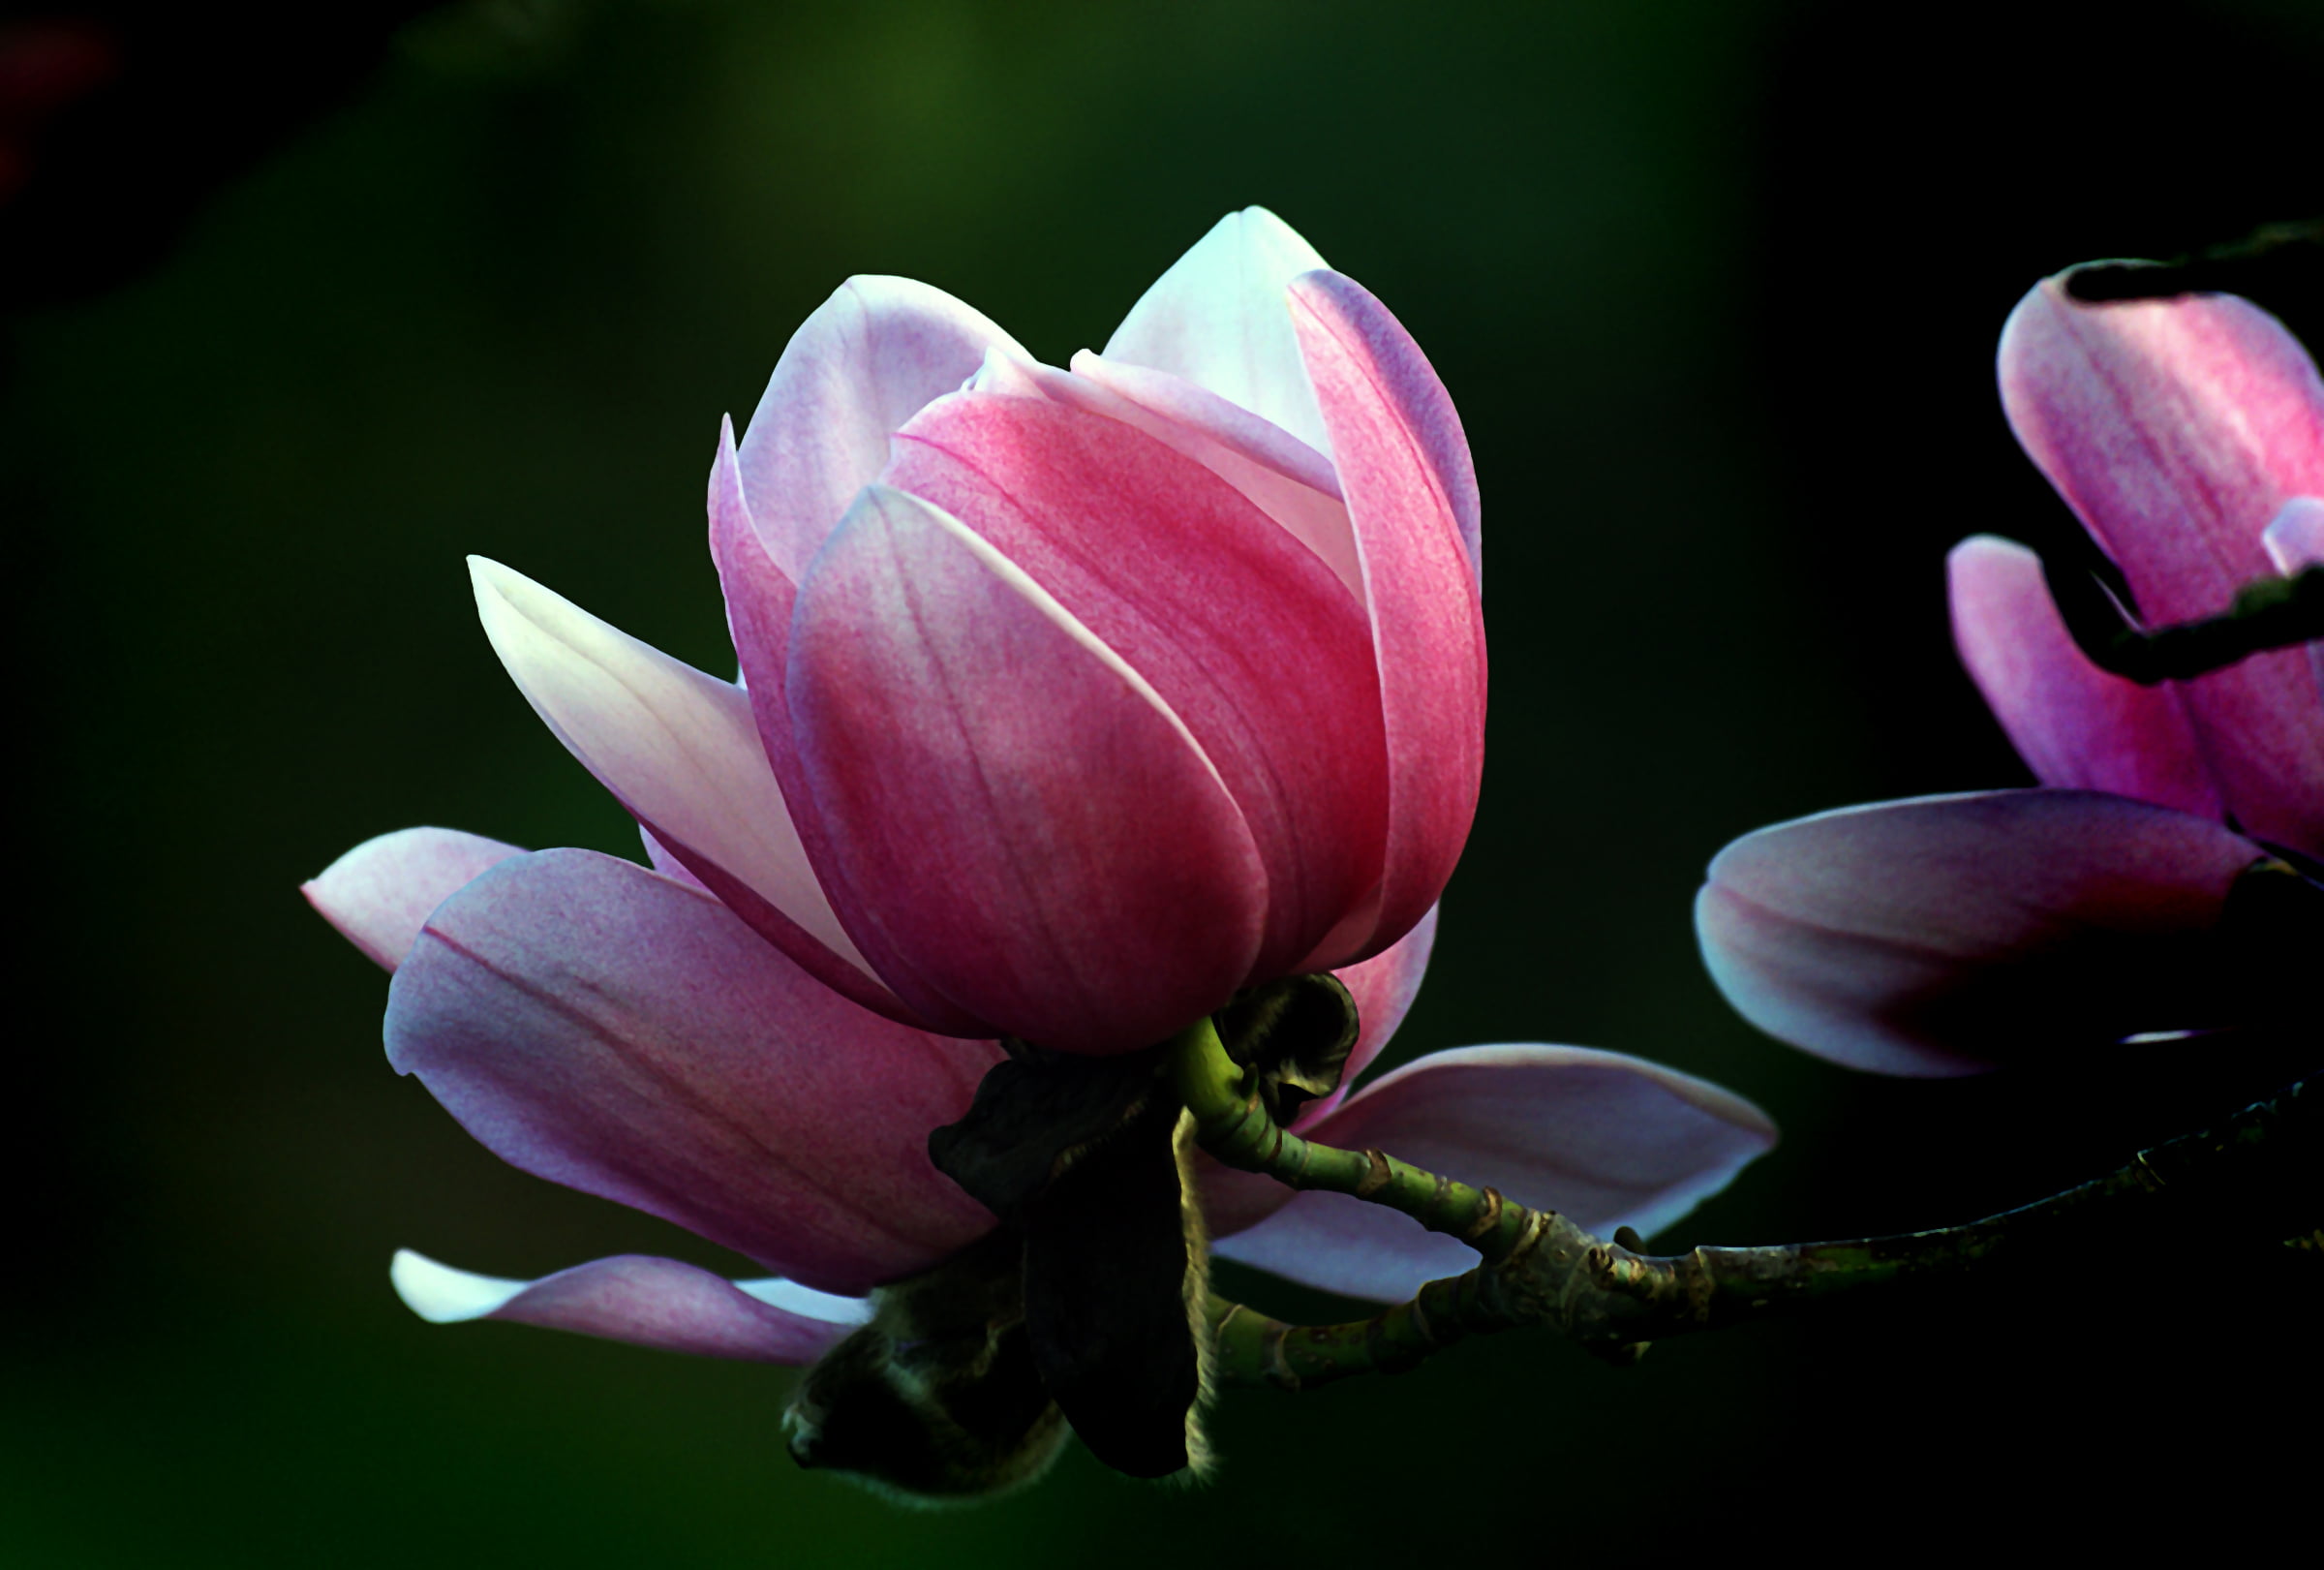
2074,725
1245,636
379,894
2295,540
1016,809
857,369
607,1028
1383,987
1950,934
1216,318
681,750
2177,429
1386,410
1605,1139
666,861
663,1303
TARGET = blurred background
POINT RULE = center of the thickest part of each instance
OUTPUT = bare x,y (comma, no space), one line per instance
301,309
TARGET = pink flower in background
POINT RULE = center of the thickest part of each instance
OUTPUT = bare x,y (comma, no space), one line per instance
1074,703
1950,934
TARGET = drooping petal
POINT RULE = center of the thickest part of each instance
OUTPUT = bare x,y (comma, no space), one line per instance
1017,809
1387,415
2295,541
1950,934
2075,726
610,1030
379,894
857,369
2177,429
1216,318
1243,632
663,1303
1383,987
1606,1139
680,751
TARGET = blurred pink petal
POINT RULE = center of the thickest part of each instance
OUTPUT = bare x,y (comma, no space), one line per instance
2177,429
1950,934
1386,413
379,894
663,1303
1016,809
681,750
612,1030
2075,726
864,362
1216,318
1606,1139
1242,631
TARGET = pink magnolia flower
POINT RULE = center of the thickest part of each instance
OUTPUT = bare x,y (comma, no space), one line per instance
1073,702
1950,934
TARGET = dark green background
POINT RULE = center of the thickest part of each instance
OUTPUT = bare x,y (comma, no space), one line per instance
1716,287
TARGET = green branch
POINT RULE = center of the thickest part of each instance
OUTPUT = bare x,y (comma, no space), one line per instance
2272,613
1537,1268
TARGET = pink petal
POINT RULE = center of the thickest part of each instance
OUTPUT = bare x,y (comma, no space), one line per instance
853,373
1388,416
1245,636
1017,811
1949,934
612,1030
2296,540
379,894
1216,318
680,751
1606,1139
647,1301
2177,429
1383,987
2074,725
1282,476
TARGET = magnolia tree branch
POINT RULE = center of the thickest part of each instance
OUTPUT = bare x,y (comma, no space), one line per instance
1537,1268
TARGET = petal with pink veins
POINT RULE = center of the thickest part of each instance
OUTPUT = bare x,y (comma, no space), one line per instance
1606,1139
1243,632
680,749
1017,809
2075,726
610,1030
1389,415
663,1303
379,894
1216,318
2177,429
864,363
1951,933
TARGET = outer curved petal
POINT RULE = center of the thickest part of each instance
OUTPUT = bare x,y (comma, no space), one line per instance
857,369
605,1027
680,751
2075,726
1389,415
1607,1139
2295,541
1017,809
1950,934
379,894
663,1303
2177,429
1216,318
1383,987
1242,631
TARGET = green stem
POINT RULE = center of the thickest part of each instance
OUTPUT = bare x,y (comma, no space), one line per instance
1539,1267
2272,613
